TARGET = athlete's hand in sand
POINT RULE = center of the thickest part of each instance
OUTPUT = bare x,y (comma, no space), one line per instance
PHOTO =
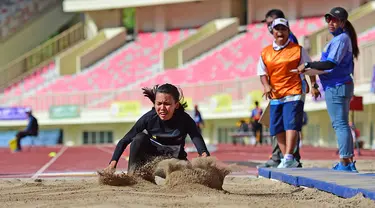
111,168
267,91
203,155
315,93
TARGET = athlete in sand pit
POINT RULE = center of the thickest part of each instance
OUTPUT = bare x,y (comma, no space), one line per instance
159,132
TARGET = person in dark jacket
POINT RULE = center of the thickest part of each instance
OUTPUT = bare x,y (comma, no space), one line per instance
198,119
32,129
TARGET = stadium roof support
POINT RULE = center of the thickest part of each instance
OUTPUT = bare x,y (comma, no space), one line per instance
92,5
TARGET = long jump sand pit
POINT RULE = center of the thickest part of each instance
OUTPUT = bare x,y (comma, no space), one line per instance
179,189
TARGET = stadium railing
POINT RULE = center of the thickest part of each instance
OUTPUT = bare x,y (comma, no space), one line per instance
25,65
89,51
238,88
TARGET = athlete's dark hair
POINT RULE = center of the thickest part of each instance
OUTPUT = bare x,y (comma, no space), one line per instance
167,88
353,37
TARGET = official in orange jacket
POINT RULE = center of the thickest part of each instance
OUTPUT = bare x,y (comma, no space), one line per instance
285,89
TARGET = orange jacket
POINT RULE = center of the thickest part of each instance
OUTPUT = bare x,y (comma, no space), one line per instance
278,64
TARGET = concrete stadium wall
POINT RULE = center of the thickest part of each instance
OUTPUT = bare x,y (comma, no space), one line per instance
103,49
97,20
194,14
33,34
171,55
186,15
295,8
238,9
66,62
206,38
363,68
208,42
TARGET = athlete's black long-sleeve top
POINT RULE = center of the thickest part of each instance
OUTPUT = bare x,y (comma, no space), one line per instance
170,132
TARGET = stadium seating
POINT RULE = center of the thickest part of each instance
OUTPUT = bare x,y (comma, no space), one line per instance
15,13
233,60
126,66
32,81
119,69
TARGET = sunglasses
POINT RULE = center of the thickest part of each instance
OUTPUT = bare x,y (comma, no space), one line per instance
329,18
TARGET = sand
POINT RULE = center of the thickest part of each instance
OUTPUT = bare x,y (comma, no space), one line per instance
179,190
238,192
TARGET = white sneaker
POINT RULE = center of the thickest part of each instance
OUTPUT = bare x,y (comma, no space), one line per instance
288,163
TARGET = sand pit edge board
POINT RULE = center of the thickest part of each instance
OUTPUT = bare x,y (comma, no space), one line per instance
328,180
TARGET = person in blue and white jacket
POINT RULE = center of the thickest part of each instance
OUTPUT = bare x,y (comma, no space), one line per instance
338,63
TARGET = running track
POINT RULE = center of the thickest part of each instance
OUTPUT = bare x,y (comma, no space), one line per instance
85,160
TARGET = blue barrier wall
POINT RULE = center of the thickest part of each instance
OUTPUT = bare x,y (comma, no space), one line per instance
45,138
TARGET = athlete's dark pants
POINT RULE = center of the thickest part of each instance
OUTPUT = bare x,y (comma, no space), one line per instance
142,150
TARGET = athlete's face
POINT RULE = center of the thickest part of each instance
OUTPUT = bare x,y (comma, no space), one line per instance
281,34
165,105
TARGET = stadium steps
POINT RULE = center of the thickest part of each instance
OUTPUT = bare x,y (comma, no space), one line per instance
219,47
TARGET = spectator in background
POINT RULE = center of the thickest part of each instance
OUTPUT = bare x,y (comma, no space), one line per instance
198,119
244,127
243,130
32,129
257,127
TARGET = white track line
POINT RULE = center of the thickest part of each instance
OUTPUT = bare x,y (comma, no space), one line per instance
49,163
